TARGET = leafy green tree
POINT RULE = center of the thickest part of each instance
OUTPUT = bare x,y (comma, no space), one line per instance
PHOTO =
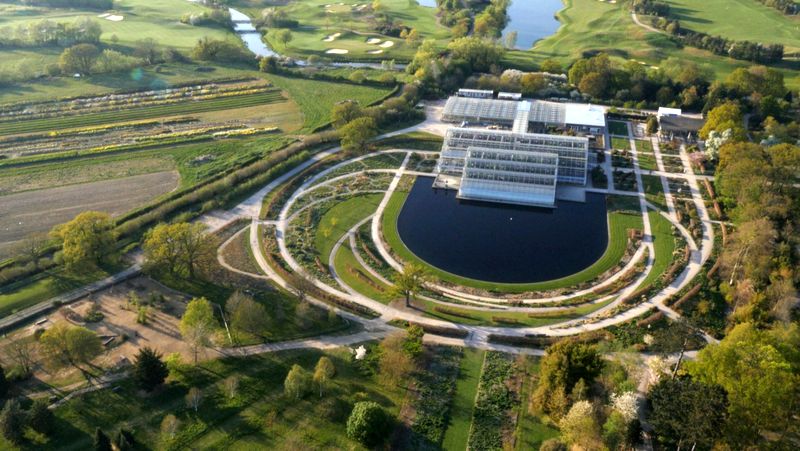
101,440
40,418
686,412
78,59
323,373
86,240
147,50
297,383
70,345
565,364
284,36
181,248
759,371
356,134
594,84
149,370
552,66
12,422
652,125
368,423
198,324
345,112
4,384
246,315
579,427
479,53
724,117
409,282
413,343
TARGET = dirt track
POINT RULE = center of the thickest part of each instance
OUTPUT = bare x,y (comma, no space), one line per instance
38,211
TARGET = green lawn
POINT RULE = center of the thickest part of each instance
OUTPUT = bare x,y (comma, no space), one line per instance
141,113
237,423
29,292
654,191
141,19
531,430
589,26
618,128
619,223
345,262
455,437
742,20
317,98
620,143
647,161
340,218
413,140
319,22
644,146
664,243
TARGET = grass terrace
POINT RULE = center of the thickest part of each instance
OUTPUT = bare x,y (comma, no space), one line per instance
460,420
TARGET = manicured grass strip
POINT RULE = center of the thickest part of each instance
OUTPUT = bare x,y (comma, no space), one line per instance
619,223
413,140
647,161
654,191
339,219
531,430
29,292
620,143
644,145
618,128
138,113
664,243
455,438
357,277
316,98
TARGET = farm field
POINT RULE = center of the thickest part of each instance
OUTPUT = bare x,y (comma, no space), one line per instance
321,21
38,211
589,25
744,20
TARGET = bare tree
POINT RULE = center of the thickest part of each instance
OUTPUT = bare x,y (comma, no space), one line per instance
194,398
22,353
231,385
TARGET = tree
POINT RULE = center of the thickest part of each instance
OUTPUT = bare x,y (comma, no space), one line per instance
758,370
652,125
78,59
323,373
246,315
86,240
594,84
193,398
283,36
169,426
413,343
565,363
368,423
357,76
297,383
180,249
478,53
4,385
101,440
579,427
412,37
345,112
123,440
511,40
552,66
689,412
70,345
12,422
197,324
40,418
409,282
149,370
231,385
356,134
532,83
147,49
724,117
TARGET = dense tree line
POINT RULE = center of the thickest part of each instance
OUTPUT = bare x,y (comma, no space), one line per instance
48,33
650,8
493,19
788,7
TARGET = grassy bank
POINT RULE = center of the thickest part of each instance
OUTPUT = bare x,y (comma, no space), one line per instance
455,438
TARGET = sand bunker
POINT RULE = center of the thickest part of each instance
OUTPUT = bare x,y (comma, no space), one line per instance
337,51
387,44
114,18
373,41
104,15
332,37
375,52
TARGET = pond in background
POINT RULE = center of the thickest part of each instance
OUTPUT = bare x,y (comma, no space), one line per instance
502,243
532,20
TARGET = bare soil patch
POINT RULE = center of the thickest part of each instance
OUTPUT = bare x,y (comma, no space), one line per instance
25,213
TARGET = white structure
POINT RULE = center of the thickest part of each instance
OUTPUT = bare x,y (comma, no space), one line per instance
476,93
509,96
510,167
541,115
664,111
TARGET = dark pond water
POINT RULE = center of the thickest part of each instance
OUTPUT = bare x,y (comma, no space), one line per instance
499,243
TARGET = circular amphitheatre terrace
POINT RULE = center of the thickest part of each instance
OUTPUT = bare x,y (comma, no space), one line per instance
350,225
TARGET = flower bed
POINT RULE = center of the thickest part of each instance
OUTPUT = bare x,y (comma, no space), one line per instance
491,418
